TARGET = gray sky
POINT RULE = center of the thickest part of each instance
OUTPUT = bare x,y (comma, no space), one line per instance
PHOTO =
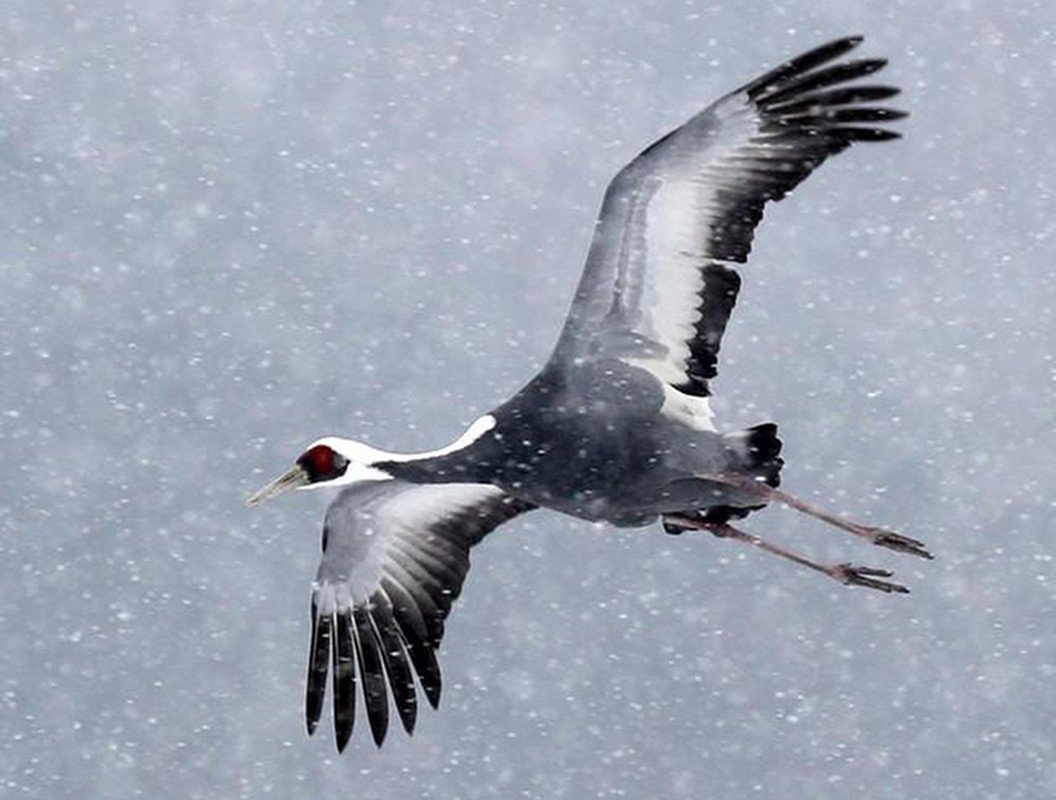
230,228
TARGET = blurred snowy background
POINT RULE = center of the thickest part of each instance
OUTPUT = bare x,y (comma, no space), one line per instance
227,228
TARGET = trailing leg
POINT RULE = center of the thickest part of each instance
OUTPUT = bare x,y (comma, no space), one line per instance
877,536
847,574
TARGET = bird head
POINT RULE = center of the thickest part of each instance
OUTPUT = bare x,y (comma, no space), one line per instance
328,462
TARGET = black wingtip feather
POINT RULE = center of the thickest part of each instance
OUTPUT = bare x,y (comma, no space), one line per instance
423,656
318,666
417,638
819,79
375,695
401,679
344,680
803,63
868,134
835,97
841,116
429,676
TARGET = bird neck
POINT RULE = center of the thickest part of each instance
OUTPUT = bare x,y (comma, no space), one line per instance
461,461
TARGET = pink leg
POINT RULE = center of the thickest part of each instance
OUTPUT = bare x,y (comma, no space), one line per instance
844,573
877,536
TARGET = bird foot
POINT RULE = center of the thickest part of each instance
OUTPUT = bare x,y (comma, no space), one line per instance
868,577
878,536
897,542
674,529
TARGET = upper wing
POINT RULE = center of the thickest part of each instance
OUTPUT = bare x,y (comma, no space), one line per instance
654,292
394,558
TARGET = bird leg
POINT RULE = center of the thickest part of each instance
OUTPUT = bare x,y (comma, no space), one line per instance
847,574
878,536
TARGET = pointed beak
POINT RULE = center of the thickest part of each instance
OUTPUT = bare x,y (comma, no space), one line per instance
294,479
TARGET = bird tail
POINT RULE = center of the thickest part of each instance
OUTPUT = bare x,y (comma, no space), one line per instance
760,450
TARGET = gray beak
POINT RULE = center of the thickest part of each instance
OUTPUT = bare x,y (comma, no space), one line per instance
294,479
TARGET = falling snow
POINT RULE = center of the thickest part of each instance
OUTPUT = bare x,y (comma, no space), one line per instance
231,228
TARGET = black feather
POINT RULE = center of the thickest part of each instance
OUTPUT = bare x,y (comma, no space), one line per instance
401,679
416,638
344,680
820,79
717,298
318,665
835,97
802,126
868,134
427,595
375,696
405,610
801,64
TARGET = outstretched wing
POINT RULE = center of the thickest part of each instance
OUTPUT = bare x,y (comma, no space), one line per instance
655,291
394,558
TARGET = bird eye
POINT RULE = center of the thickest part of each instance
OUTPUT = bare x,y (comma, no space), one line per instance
322,463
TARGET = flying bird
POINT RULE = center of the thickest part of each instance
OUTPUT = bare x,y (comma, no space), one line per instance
616,426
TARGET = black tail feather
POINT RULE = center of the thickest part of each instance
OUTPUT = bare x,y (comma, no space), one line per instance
759,453
764,452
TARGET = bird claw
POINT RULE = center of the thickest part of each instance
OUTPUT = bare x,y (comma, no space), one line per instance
851,575
673,528
898,542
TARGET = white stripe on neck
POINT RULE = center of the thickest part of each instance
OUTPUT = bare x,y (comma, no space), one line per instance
479,427
364,455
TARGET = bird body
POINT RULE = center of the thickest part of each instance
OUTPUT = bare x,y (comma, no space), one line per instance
592,444
616,426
